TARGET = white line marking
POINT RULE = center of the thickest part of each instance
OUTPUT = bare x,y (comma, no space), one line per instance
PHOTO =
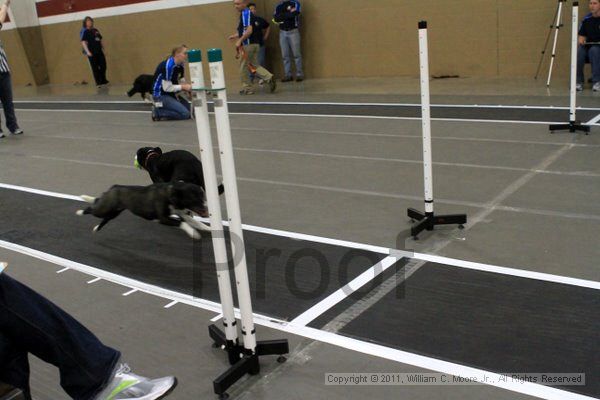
429,363
387,353
40,192
171,304
216,318
357,283
325,116
123,281
94,280
132,291
594,120
309,103
540,276
63,270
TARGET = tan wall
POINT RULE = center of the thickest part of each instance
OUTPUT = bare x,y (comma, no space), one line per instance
17,59
341,38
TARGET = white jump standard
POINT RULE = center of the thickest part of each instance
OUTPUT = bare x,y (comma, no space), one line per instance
428,220
573,125
244,359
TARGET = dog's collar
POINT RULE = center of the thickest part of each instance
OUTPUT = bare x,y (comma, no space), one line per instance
152,153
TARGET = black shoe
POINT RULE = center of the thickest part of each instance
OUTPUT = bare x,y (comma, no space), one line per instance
287,79
272,85
299,78
17,131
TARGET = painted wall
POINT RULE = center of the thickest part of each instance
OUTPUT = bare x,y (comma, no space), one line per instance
341,38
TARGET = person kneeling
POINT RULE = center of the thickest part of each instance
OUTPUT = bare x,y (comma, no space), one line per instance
168,84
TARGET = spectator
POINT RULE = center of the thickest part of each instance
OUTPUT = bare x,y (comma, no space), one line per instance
89,370
168,83
287,16
589,46
93,47
261,29
6,96
248,46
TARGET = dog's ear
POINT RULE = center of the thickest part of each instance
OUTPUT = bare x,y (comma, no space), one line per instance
158,150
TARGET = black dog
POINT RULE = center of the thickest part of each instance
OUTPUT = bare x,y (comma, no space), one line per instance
155,202
173,166
142,84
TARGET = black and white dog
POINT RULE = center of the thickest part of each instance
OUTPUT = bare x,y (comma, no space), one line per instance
172,166
157,202
143,85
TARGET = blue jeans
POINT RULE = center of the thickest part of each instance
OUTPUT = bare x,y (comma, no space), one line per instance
6,97
172,108
593,54
29,323
290,47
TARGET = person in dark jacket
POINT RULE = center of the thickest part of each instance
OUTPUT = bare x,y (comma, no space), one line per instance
287,16
93,48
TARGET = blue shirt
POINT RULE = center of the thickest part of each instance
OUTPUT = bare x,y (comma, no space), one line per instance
167,70
247,19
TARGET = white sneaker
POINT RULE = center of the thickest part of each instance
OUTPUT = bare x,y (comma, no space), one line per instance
1,135
579,87
128,386
596,87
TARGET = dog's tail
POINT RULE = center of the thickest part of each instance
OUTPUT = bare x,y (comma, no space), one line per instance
221,189
88,199
131,92
84,211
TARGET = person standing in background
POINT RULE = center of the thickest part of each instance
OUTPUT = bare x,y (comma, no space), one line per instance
287,16
262,29
91,41
6,96
247,46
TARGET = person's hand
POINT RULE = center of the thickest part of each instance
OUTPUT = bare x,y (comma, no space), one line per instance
89,54
581,40
233,37
187,87
7,3
293,10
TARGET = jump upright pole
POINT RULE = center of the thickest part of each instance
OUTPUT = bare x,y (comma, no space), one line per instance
229,340
573,125
248,361
428,220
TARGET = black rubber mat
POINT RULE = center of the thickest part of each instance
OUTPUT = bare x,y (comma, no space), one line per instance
483,113
494,322
287,276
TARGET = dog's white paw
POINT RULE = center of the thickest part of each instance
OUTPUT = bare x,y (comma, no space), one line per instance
96,228
148,101
79,212
88,199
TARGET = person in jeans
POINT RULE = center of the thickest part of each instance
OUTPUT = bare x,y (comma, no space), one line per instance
6,96
168,82
287,16
89,370
589,49
93,48
247,42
